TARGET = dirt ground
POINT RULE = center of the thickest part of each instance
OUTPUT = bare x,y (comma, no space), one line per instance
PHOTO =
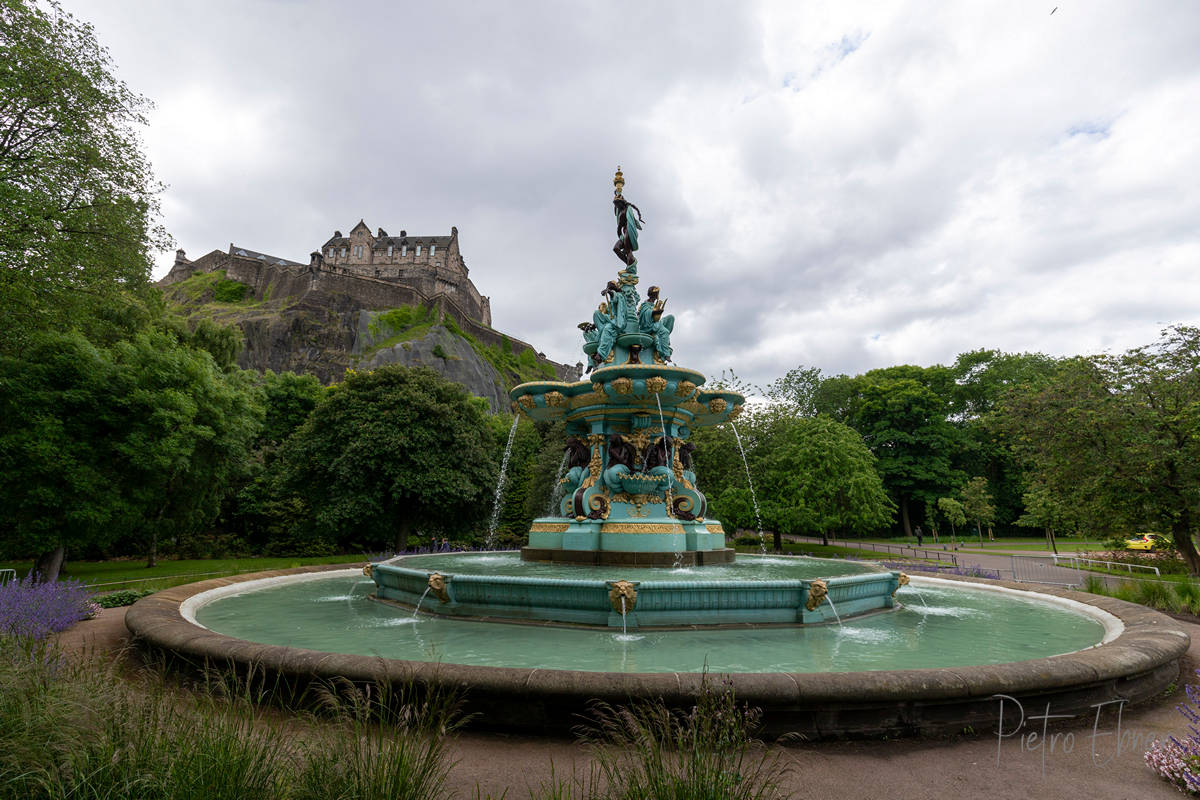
1084,759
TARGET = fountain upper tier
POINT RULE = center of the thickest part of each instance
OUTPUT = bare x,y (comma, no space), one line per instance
630,494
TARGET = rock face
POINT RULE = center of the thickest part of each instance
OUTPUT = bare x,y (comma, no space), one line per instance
324,332
442,350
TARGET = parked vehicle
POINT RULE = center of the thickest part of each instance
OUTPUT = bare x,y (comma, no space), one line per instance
1148,541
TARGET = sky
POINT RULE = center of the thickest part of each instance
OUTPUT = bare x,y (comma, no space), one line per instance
846,185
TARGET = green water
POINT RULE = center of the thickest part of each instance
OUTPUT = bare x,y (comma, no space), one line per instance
960,626
746,568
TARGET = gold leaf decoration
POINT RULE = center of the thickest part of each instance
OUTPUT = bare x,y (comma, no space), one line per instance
657,384
623,385
554,399
526,400
717,405
685,389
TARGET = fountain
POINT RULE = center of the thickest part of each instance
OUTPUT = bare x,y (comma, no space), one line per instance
627,590
630,498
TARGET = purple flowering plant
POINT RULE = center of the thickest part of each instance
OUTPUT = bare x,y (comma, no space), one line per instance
1178,760
34,609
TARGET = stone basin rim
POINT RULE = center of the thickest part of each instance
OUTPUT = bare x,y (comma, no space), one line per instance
1137,663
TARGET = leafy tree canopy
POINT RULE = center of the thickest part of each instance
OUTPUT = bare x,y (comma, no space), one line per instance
77,198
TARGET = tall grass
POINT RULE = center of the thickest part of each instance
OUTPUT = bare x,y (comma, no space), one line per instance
648,750
73,728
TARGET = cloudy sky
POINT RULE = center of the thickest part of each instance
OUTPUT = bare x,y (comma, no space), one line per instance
843,185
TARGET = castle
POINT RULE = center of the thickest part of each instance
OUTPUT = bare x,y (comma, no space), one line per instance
346,278
433,266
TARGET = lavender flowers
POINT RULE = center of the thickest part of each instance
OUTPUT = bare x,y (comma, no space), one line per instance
1179,760
33,610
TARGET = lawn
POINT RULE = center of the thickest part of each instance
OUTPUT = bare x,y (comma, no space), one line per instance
133,574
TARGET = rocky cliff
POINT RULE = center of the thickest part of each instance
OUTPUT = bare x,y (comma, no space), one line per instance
324,333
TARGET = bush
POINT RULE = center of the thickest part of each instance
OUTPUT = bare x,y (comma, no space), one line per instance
1178,760
227,291
124,597
30,609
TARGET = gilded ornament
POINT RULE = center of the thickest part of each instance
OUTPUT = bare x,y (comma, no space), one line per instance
526,400
641,527
657,384
901,580
622,595
600,506
598,388
817,590
548,527
554,399
622,385
736,411
657,358
368,570
685,389
437,587
717,405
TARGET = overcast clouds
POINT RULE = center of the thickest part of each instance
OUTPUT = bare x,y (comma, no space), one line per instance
844,185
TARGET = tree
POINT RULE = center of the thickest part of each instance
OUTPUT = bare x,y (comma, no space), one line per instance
1114,437
977,504
952,510
1046,511
818,476
391,451
77,199
904,423
96,443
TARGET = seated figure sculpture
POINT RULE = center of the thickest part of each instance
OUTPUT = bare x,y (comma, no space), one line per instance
652,321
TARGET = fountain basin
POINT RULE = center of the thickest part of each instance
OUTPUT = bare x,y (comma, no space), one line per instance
1135,659
652,598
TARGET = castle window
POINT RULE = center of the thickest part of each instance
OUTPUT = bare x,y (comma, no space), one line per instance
331,252
418,249
389,251
403,249
358,251
432,249
343,252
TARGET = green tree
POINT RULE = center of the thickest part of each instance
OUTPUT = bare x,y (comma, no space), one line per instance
1043,509
817,476
77,199
977,504
1115,438
130,441
952,511
392,451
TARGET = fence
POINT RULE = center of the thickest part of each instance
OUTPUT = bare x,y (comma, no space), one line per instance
7,575
1027,569
899,549
1115,566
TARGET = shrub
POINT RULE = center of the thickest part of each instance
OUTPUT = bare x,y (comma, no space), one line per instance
227,291
33,609
1153,594
1187,598
124,597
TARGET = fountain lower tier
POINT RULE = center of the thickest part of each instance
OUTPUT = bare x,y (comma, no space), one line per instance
645,603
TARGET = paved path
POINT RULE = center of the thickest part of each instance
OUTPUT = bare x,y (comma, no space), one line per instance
978,766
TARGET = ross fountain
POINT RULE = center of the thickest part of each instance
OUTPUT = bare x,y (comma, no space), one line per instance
630,498
823,647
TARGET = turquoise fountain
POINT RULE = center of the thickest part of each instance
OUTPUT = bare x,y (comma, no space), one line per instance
629,497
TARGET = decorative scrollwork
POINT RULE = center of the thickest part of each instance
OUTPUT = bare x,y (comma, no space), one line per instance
682,507
600,507
717,405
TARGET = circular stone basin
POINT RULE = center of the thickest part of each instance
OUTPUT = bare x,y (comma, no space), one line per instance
940,625
916,673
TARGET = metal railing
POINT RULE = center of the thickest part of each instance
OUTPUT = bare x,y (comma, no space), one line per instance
1028,569
1115,566
7,575
878,547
